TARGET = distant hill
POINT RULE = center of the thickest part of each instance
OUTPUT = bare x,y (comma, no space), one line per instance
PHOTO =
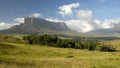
34,25
106,32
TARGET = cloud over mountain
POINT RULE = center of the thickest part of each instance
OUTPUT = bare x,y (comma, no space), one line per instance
4,25
19,20
84,20
75,18
79,25
111,23
36,15
54,20
67,9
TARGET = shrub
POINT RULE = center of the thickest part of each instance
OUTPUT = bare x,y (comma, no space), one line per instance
68,43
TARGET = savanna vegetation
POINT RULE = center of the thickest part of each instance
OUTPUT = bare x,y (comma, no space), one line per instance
68,43
19,54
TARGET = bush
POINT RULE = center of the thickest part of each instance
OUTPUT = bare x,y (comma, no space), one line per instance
68,43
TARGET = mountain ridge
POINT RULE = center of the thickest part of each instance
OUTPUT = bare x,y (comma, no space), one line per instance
112,32
34,25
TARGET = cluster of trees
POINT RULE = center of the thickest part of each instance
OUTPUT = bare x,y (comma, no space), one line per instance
68,43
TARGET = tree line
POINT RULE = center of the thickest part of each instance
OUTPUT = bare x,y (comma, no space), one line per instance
54,41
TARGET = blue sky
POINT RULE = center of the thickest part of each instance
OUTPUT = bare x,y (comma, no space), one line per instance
101,9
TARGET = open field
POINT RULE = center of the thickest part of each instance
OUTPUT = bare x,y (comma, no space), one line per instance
115,43
14,55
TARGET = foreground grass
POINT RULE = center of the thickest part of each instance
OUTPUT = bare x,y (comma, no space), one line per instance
13,55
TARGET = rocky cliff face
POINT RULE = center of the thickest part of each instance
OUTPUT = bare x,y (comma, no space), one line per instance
41,23
33,25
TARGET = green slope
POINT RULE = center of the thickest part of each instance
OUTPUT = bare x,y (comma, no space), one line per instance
13,55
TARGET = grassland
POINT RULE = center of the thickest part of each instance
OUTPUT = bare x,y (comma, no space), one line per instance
18,55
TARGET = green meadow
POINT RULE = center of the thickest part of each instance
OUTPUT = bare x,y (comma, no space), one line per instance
35,56
23,55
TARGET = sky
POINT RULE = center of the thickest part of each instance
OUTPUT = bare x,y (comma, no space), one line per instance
78,15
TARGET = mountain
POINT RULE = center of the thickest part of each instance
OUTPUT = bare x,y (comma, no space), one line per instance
112,32
34,25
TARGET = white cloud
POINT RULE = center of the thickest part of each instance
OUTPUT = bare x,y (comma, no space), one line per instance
84,21
79,25
93,24
54,20
4,25
84,14
36,15
67,9
110,23
20,20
